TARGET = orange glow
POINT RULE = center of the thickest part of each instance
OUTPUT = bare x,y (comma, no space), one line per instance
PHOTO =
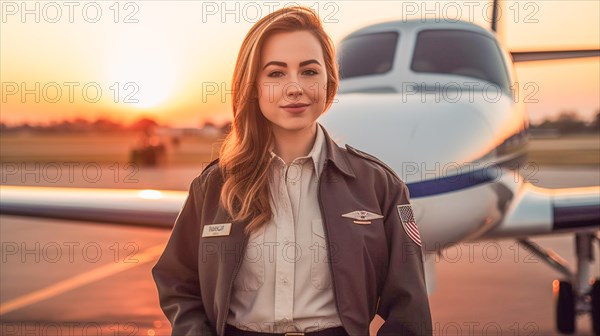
178,62
150,194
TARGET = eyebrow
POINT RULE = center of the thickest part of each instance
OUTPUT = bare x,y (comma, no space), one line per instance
283,64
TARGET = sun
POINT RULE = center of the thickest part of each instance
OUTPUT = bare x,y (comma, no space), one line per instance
145,70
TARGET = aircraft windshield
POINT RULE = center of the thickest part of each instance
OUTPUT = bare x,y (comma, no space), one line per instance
368,54
460,52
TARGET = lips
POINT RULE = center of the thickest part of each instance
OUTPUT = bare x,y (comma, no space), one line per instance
295,105
295,108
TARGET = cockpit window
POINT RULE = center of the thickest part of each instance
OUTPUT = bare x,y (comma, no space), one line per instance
460,52
368,54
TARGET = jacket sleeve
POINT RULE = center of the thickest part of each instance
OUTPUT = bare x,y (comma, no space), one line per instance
403,304
176,271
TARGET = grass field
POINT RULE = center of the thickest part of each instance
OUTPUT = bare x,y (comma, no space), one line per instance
576,150
99,148
571,150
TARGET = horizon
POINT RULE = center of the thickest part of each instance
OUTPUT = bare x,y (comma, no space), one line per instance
572,115
162,49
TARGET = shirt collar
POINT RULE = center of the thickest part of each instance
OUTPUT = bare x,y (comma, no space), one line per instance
318,153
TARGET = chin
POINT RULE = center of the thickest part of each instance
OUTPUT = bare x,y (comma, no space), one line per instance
294,125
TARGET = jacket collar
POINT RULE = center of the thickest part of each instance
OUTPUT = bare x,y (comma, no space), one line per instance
336,154
317,153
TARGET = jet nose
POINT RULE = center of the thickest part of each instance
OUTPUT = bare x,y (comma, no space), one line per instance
445,139
412,137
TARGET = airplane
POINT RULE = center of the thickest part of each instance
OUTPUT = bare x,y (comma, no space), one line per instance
435,101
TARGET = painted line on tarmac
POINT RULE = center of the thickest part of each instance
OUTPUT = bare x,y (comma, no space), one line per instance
80,280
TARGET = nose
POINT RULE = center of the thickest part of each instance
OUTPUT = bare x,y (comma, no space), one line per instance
293,90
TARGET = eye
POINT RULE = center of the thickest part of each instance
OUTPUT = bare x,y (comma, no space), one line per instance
275,72
312,72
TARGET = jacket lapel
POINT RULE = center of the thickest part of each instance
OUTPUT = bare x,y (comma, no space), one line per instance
337,155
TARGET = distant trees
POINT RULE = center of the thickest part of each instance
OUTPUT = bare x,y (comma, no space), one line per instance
568,122
143,125
226,128
106,125
595,125
76,125
81,125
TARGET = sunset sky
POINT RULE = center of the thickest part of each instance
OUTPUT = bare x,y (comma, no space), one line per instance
174,50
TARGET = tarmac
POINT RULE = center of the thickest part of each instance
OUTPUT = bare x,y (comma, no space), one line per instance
79,278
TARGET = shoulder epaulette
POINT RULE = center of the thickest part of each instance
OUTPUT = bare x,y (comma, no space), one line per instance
372,158
212,163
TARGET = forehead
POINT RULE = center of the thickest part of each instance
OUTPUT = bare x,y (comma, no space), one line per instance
291,47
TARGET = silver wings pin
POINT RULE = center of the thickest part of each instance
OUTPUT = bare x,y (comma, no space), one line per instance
362,216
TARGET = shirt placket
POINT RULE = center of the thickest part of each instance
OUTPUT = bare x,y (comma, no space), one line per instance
285,266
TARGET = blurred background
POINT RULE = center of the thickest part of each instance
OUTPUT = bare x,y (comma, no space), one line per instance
136,94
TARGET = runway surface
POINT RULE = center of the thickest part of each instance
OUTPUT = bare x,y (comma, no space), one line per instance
79,278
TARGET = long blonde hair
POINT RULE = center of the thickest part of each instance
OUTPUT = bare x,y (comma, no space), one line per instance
244,157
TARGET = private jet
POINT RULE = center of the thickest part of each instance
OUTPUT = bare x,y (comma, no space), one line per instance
437,101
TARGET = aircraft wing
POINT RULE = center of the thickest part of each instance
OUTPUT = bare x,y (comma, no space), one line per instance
532,211
156,208
539,211
525,56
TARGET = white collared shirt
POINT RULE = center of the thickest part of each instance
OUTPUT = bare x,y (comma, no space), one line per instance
284,282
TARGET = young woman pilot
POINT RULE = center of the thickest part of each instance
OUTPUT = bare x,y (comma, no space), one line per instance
286,232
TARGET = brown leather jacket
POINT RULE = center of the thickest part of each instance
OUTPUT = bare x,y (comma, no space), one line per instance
375,268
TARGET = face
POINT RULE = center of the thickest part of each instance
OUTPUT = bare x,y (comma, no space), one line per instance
292,80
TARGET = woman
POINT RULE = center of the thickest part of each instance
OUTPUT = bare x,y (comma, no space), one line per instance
287,232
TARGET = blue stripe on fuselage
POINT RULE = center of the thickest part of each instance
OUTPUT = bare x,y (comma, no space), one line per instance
472,177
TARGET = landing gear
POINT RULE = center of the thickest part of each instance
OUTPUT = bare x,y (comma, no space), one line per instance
576,295
565,306
596,306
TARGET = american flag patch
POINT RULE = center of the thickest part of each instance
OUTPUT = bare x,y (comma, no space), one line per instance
408,223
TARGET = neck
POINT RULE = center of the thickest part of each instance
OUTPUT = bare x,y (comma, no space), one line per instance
293,144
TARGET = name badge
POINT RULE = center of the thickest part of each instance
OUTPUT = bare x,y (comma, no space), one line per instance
215,230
